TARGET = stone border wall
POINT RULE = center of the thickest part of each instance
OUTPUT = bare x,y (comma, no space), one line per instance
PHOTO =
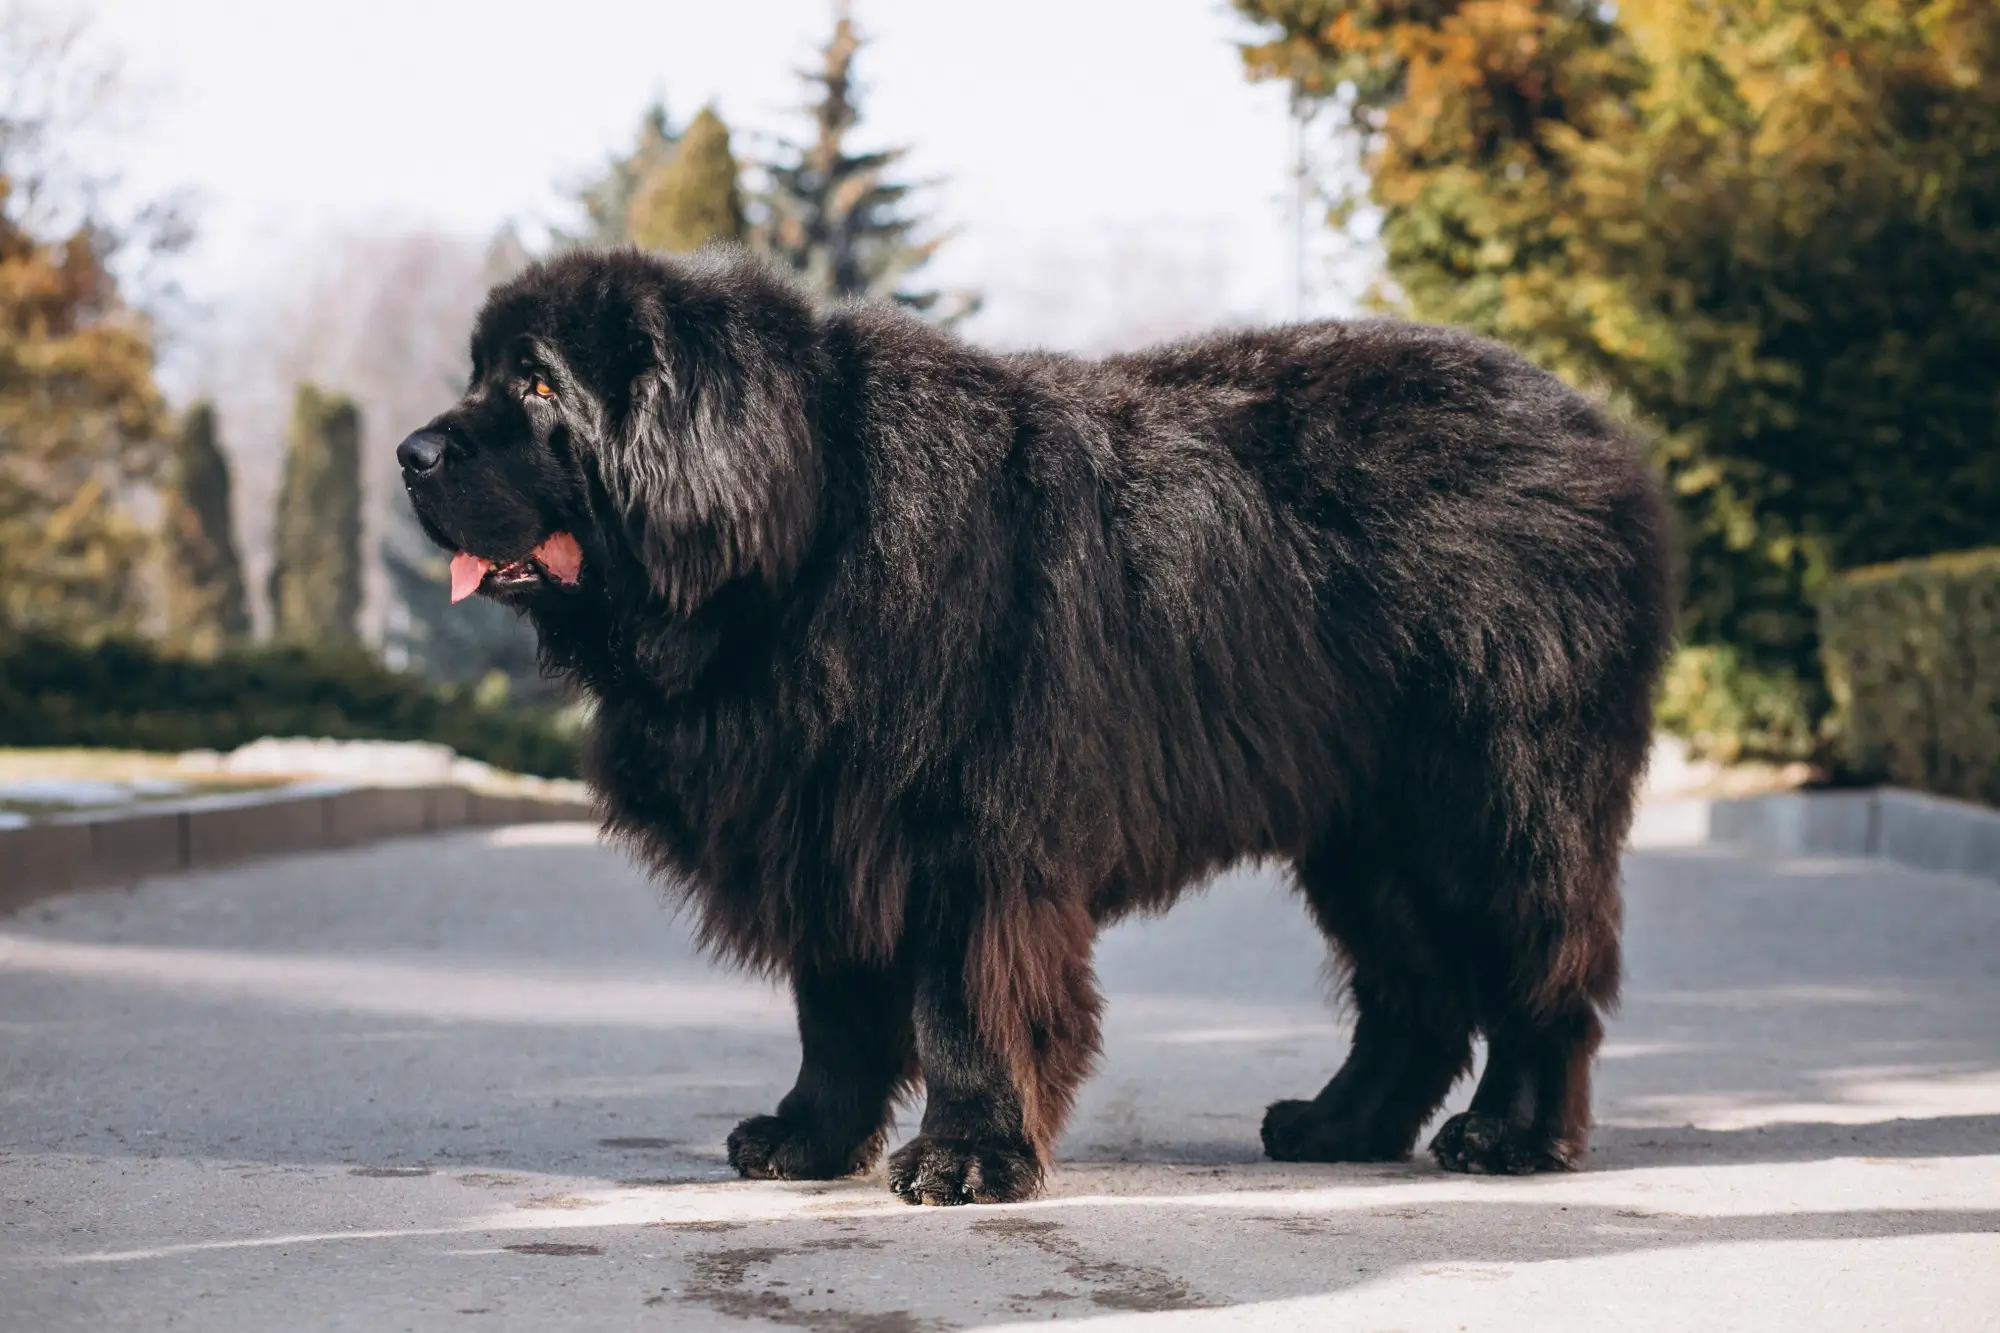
102,849
98,849
1908,827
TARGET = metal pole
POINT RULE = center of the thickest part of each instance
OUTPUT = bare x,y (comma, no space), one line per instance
1298,109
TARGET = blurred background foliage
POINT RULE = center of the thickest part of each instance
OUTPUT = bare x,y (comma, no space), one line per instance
835,216
315,593
1913,660
207,606
127,694
84,427
1767,230
125,614
692,199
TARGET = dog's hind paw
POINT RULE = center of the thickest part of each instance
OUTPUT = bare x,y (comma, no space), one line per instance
1488,1145
952,1171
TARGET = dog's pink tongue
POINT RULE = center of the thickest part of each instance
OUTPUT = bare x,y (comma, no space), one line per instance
561,556
467,572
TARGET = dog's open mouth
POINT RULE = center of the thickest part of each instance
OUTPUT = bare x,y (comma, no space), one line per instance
558,558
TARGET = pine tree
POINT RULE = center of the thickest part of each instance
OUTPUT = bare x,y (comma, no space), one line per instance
316,563
80,432
831,215
205,602
692,198
607,201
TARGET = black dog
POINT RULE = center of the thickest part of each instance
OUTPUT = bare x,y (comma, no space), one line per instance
915,664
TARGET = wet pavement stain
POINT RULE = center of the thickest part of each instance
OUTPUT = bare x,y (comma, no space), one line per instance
720,1280
391,1172
1309,1227
556,1248
1112,1285
710,1228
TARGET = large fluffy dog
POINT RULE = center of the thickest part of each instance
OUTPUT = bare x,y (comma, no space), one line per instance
914,665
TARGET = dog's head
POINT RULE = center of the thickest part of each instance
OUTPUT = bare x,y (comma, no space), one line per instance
633,424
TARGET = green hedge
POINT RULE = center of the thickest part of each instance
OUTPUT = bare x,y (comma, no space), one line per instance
132,696
1912,653
1730,712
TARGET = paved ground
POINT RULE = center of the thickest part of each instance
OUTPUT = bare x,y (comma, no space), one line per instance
481,1082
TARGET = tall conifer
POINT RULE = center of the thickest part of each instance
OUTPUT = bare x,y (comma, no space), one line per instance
832,214
205,602
692,198
316,564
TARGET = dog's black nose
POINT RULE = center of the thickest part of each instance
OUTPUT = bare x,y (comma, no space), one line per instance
421,453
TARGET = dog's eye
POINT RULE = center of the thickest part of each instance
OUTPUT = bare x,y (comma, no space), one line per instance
542,388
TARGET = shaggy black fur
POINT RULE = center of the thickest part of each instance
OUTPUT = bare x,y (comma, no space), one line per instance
916,664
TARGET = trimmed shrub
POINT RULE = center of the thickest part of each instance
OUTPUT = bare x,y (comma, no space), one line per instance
1730,712
129,695
1912,653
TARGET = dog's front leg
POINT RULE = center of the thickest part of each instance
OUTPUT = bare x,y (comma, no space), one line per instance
1005,1009
854,1027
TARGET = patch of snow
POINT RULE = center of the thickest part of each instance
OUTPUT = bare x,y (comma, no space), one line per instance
82,793
377,763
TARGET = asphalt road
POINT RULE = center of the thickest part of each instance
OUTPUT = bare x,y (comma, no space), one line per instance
482,1081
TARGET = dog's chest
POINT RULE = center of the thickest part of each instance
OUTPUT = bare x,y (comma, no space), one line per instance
719,784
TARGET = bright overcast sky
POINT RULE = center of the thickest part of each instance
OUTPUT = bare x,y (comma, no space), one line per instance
1079,138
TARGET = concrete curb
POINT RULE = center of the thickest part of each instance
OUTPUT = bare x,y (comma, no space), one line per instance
101,849
1911,828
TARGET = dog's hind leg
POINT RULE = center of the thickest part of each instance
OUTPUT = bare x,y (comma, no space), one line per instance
1413,1022
1006,1011
1531,1111
1551,930
1532,1108
859,1052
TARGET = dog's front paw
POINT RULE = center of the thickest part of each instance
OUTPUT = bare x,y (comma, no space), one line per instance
770,1147
1490,1146
1298,1131
951,1171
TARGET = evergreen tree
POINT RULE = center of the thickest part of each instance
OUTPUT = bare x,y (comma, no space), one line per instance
316,561
81,426
832,215
205,602
691,198
1766,228
607,201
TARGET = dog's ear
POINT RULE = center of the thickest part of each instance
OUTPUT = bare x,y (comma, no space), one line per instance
713,468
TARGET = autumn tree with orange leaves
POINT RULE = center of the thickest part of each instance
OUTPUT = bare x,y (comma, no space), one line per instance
82,424
81,430
1769,230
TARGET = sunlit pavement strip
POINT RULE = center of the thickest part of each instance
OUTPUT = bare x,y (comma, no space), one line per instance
484,1078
